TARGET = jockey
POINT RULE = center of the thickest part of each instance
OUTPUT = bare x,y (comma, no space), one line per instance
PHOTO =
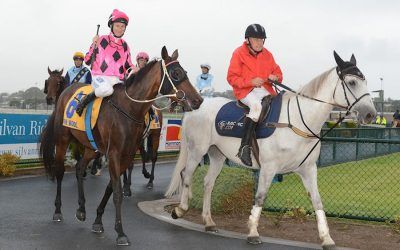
112,59
250,68
142,58
204,80
78,73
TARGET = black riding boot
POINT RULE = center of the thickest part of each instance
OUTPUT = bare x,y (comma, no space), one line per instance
245,149
151,113
84,102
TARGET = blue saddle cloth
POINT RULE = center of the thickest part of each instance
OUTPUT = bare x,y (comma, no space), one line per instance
229,120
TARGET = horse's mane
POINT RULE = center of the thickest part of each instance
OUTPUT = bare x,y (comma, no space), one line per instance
140,74
314,86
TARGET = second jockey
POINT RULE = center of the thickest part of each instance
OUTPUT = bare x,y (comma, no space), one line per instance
142,58
249,72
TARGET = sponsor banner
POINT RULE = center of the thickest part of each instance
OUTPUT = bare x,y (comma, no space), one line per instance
23,150
19,134
21,128
170,135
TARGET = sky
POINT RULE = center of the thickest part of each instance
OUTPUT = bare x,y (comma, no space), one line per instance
300,34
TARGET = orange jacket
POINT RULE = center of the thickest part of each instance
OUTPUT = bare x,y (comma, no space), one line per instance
244,67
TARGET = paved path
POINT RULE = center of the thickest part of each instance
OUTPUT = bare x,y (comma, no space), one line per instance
27,206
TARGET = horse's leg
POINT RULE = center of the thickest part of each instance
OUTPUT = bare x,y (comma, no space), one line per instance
308,175
194,157
128,181
96,164
155,141
61,149
80,170
97,226
143,155
115,173
264,182
216,163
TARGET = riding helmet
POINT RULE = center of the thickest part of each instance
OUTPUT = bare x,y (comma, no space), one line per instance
255,30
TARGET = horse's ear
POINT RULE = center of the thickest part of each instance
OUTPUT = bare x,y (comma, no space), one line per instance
338,60
175,55
164,53
48,70
353,59
61,71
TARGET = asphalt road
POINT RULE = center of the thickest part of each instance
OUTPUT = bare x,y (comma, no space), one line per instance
27,206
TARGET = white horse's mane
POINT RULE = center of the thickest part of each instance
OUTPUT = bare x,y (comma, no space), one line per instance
314,86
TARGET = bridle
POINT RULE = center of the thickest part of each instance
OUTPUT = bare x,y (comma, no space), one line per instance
312,135
60,83
166,70
166,78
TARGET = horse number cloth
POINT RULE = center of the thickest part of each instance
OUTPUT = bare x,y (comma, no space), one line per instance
72,119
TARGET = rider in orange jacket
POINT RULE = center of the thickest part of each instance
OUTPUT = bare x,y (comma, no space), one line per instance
250,68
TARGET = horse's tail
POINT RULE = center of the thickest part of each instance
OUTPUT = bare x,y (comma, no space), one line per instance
175,185
47,145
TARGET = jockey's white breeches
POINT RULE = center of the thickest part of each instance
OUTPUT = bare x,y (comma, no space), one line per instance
103,85
253,101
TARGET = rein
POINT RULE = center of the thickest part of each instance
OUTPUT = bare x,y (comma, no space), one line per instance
315,135
165,74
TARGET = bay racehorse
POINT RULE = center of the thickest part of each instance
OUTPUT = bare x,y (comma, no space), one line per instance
284,151
117,129
54,85
53,88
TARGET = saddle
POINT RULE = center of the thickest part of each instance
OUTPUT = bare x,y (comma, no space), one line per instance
230,120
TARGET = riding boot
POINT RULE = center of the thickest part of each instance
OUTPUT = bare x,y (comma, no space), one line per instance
84,102
245,150
151,113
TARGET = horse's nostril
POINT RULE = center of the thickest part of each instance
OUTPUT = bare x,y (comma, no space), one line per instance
369,116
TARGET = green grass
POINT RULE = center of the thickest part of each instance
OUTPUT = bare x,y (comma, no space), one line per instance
232,193
368,188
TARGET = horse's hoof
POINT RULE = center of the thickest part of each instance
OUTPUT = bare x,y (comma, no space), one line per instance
254,240
127,193
57,217
81,216
212,229
329,247
146,175
97,228
123,241
174,215
149,185
93,171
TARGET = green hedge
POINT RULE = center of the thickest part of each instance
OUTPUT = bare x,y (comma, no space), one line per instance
232,194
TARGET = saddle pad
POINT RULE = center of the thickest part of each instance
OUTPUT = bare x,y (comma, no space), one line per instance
229,120
154,122
72,119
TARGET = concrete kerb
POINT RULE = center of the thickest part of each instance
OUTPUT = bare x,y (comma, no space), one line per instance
156,210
